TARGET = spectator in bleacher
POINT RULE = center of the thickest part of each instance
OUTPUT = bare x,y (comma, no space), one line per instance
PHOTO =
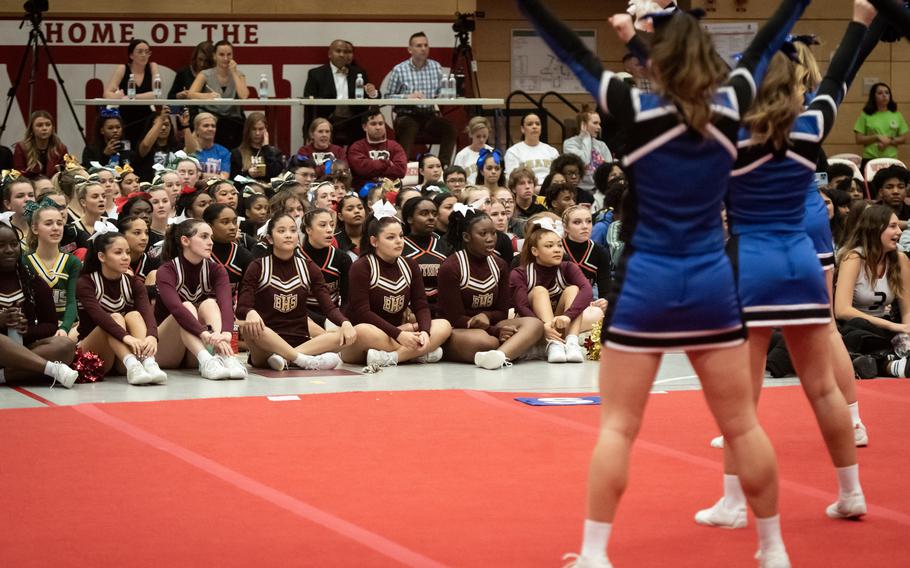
871,276
639,72
223,81
455,179
531,152
336,80
521,184
135,118
108,144
479,130
376,156
587,146
490,173
837,172
429,172
41,151
889,186
320,146
609,205
838,203
255,157
572,169
853,187
214,158
880,128
420,77
203,58
161,140
304,170
559,197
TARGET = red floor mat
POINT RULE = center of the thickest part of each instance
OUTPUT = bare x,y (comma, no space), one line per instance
459,478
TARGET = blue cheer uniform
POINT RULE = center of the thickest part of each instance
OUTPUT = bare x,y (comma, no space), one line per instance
675,287
779,279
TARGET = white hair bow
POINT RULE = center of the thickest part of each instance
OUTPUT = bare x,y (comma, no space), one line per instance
98,166
314,189
641,8
463,209
432,189
102,227
548,224
382,209
262,231
7,218
243,180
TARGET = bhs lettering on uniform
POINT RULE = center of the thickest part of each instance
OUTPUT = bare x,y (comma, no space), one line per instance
380,155
481,301
393,304
285,303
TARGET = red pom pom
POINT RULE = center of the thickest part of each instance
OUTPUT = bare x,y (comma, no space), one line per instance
89,366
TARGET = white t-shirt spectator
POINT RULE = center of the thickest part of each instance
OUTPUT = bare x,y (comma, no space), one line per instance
467,159
537,158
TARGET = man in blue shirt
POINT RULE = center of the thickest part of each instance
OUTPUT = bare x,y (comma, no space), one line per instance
420,78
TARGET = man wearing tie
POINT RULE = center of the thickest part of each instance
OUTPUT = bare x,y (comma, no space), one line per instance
335,80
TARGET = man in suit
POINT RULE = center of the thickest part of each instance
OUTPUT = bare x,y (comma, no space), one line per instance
335,80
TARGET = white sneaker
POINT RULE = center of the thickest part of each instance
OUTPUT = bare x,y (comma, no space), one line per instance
214,370
64,375
434,356
277,362
491,360
860,436
575,353
324,362
159,377
717,442
381,358
556,352
773,558
579,561
235,369
850,506
137,375
721,516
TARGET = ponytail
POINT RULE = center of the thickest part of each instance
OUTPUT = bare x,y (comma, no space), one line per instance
172,247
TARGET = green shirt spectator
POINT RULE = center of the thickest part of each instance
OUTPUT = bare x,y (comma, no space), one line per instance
880,128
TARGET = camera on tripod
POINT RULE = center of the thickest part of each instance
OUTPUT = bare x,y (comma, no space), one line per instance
466,23
35,7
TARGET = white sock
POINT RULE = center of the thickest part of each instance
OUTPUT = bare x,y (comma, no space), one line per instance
51,369
597,535
733,492
203,356
148,361
769,533
571,340
848,479
301,360
854,413
130,361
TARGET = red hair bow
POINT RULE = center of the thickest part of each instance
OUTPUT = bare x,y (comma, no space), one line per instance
121,201
187,189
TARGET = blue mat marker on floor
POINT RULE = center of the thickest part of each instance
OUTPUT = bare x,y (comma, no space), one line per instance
561,401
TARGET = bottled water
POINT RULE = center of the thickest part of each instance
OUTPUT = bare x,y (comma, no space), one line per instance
131,87
358,87
263,86
156,85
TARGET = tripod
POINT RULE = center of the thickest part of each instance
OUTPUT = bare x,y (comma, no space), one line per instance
464,67
36,39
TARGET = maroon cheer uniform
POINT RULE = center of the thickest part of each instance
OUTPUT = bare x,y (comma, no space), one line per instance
97,298
555,279
40,310
279,290
334,264
381,291
429,251
470,285
181,281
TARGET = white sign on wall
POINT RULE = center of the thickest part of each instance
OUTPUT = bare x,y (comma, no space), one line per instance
536,69
731,38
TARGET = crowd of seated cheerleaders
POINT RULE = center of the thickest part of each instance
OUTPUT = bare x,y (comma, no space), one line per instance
299,270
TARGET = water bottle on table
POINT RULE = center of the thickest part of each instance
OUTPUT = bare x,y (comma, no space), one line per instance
263,86
131,87
156,85
358,87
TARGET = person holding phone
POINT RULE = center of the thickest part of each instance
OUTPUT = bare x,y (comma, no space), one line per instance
109,144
